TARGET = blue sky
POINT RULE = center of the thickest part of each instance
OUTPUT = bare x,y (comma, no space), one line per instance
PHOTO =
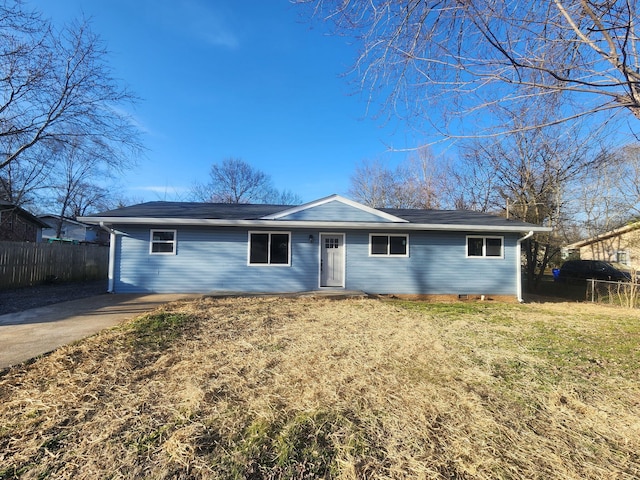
247,79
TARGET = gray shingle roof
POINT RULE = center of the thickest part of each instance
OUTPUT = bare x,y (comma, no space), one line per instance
222,211
453,217
233,212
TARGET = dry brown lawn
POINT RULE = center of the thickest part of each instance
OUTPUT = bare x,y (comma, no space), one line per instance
351,389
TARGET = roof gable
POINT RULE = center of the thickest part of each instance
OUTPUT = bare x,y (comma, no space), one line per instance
334,208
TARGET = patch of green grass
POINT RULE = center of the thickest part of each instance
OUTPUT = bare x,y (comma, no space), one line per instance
157,330
305,441
47,448
603,339
494,312
605,346
147,442
12,473
446,308
304,446
509,370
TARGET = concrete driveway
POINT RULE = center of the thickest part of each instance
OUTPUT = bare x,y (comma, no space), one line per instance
27,334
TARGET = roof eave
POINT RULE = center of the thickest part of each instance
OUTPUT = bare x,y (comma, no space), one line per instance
391,226
605,236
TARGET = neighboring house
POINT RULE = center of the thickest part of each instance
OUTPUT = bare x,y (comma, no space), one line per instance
73,231
331,243
621,245
18,225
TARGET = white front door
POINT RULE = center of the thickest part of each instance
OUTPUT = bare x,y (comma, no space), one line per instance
332,260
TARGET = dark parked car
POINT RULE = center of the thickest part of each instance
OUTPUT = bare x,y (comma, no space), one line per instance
587,269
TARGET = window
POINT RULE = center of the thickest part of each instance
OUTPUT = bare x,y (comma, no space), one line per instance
389,245
485,247
269,248
622,256
331,242
163,242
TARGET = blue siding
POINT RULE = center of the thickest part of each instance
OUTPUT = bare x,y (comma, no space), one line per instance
215,259
211,260
436,264
335,211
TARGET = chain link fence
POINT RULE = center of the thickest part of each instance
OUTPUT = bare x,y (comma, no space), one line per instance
626,294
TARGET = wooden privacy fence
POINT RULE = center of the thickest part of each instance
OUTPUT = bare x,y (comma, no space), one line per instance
23,263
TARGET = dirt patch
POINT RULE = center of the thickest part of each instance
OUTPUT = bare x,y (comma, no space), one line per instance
19,299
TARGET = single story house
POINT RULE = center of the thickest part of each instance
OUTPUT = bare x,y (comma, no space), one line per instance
18,225
72,230
621,245
330,243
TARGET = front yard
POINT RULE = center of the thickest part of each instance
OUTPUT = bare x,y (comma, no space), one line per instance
315,388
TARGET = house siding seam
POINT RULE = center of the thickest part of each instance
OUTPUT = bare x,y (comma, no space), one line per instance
215,259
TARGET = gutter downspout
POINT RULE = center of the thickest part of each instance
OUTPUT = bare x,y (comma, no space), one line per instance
112,255
519,265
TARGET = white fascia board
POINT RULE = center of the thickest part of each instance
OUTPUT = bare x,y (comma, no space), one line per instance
337,198
167,222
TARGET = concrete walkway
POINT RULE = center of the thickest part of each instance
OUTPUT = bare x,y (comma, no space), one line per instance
25,335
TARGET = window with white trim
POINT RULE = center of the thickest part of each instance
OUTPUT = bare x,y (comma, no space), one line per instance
163,242
388,245
269,248
480,247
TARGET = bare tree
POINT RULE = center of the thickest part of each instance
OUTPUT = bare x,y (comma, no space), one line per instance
469,56
90,198
372,184
425,179
472,186
419,182
608,195
531,172
56,86
235,181
629,186
23,181
284,197
78,177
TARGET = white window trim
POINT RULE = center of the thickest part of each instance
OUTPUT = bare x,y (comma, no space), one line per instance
394,255
484,247
268,264
174,242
